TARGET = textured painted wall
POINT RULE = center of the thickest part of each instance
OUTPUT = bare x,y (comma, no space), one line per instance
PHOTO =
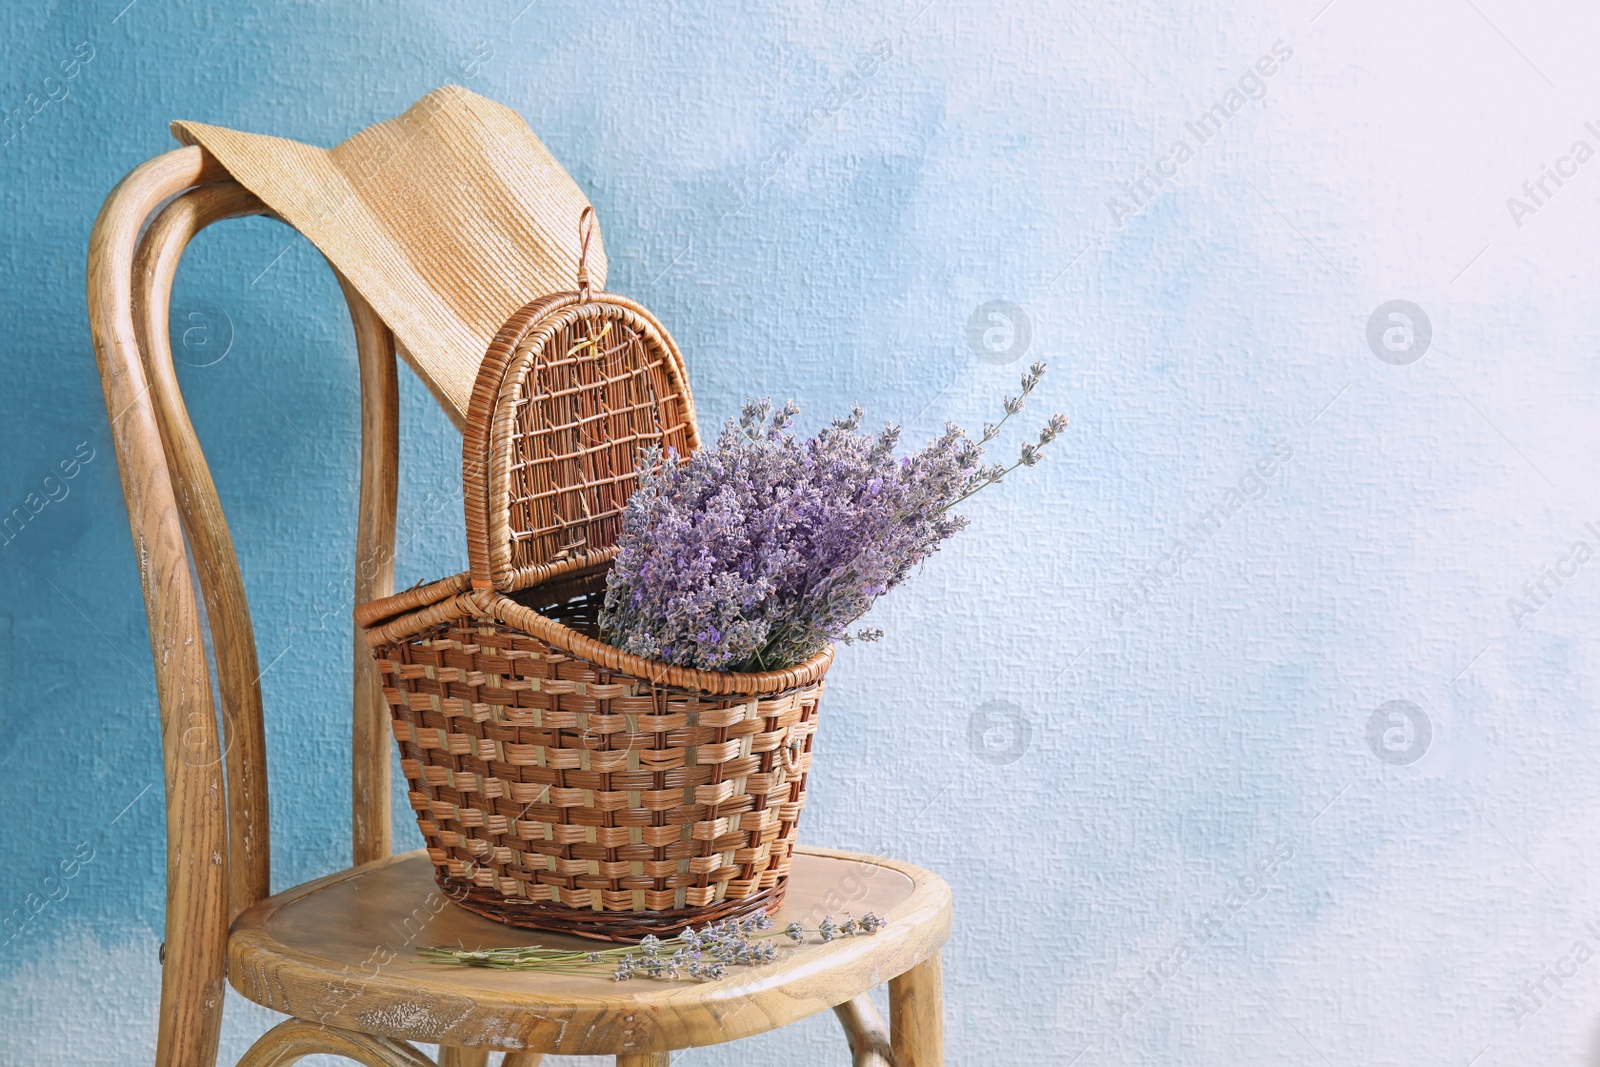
1256,726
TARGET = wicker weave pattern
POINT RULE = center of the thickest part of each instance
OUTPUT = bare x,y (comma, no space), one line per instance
589,393
575,390
545,778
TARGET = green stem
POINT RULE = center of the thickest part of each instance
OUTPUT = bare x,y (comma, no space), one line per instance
982,486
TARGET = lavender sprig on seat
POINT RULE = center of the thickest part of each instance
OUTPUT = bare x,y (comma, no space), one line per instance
704,954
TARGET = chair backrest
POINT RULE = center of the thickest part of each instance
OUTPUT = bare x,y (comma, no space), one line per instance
218,860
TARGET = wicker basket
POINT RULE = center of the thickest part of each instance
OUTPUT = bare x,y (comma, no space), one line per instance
560,783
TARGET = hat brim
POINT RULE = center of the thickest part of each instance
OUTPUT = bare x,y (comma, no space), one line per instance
447,219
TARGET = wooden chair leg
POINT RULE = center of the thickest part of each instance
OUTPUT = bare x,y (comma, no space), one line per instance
868,1036
648,1059
916,1015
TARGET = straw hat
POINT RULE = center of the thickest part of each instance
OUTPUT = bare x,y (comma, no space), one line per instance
447,219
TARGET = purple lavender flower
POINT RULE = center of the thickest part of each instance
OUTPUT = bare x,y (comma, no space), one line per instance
756,553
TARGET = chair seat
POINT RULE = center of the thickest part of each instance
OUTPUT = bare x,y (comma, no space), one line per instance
342,951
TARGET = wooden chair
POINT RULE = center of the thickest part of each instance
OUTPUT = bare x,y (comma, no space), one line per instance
338,954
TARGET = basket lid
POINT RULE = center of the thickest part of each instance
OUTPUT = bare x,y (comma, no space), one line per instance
573,387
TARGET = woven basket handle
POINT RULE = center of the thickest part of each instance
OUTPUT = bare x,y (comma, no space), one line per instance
585,234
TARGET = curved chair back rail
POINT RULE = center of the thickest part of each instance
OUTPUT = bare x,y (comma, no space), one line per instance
217,855
226,607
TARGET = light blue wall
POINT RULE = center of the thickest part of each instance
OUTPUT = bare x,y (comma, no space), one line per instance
1200,763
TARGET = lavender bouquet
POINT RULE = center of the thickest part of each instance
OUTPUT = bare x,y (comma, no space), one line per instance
754,554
